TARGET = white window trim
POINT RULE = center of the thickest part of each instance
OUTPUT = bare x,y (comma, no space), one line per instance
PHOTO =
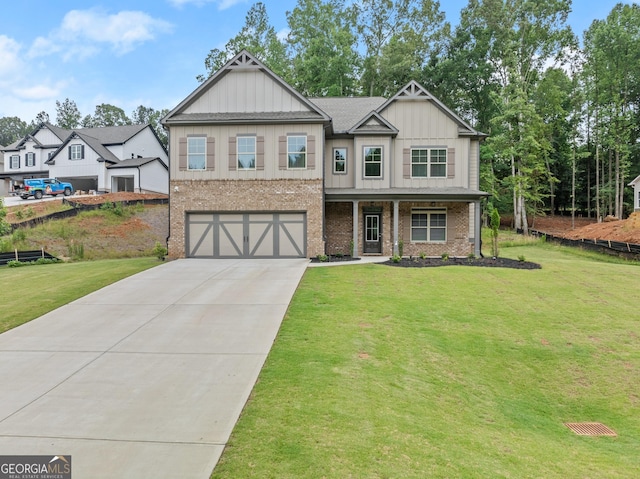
428,164
346,154
204,153
76,148
15,158
364,162
255,152
306,159
429,212
33,159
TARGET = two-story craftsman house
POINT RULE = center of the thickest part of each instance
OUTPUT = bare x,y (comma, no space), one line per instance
258,170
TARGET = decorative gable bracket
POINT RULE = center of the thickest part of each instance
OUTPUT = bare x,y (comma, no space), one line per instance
243,61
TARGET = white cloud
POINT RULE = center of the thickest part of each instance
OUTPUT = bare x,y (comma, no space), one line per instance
82,33
38,92
222,4
10,61
283,34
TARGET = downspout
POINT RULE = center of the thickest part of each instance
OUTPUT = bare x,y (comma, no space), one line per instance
139,180
168,184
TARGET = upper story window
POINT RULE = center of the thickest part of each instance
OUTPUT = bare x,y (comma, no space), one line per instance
76,152
373,162
246,152
296,152
196,153
428,163
339,160
14,162
30,159
429,226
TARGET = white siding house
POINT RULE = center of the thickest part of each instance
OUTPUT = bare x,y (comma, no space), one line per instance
83,156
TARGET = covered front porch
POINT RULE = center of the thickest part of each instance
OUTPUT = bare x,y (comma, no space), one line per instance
403,222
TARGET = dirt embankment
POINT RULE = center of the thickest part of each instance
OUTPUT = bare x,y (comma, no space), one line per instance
626,231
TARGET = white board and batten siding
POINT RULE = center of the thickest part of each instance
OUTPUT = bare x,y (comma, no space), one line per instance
88,167
143,144
244,91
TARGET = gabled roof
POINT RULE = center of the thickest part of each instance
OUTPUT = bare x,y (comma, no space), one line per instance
103,153
136,162
347,112
244,61
374,124
61,133
113,135
635,181
414,91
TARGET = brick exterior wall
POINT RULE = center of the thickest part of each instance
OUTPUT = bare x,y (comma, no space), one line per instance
245,195
457,231
339,228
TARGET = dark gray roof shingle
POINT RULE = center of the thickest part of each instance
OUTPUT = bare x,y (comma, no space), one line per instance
347,112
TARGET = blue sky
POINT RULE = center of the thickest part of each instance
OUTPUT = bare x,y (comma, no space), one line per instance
136,52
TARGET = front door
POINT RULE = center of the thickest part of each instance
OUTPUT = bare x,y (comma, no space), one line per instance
372,233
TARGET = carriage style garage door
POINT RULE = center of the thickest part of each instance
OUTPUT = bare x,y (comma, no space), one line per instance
246,235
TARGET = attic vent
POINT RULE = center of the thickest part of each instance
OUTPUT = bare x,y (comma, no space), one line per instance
590,429
244,61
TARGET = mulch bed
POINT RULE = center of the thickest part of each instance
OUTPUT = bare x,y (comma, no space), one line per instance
483,262
415,262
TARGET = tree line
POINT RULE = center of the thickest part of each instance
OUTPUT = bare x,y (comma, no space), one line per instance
69,117
562,109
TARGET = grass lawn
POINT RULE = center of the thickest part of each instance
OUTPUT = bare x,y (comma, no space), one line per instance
31,291
453,372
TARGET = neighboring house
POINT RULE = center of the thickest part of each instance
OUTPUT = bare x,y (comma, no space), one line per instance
258,170
26,157
4,185
85,157
636,193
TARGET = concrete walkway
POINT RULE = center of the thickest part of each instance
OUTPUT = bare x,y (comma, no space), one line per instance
145,378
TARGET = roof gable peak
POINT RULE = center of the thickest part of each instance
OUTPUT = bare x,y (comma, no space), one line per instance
244,60
414,91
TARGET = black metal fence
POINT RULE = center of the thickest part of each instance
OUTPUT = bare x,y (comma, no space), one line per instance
24,256
614,248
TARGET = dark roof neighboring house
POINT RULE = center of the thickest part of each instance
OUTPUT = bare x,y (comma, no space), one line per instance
112,135
93,143
136,162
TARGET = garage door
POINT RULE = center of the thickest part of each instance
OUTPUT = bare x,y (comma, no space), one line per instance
246,235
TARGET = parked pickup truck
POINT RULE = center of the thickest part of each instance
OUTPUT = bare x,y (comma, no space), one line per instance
44,186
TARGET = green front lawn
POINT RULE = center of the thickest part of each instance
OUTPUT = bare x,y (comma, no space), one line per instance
31,291
453,372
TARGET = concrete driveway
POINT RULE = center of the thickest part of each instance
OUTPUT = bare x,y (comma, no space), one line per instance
145,378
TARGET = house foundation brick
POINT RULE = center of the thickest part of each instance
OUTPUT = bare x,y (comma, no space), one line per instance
246,195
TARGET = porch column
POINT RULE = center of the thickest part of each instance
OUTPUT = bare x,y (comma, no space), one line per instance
396,214
478,229
355,229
